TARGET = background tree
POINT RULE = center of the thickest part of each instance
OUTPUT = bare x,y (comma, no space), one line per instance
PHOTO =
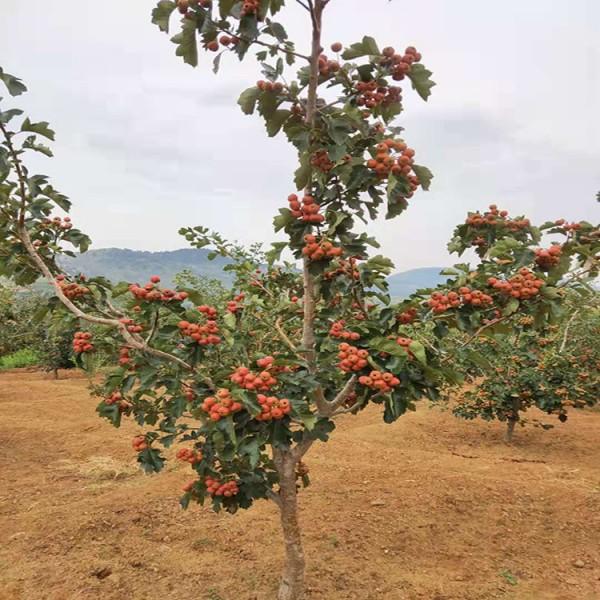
553,369
251,384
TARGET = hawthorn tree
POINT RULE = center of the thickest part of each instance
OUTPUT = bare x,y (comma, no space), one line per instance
250,385
553,369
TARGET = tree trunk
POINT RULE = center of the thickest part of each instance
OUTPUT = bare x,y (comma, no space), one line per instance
292,580
513,420
510,428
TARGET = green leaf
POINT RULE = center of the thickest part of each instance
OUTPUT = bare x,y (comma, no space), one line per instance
225,7
248,99
303,172
421,81
368,47
30,144
14,85
7,115
511,307
162,13
276,121
419,351
424,174
187,45
230,321
40,128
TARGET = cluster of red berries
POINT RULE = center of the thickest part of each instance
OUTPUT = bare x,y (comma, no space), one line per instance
205,335
440,303
345,267
327,67
215,488
82,342
269,86
307,210
272,408
221,405
405,342
226,40
139,443
250,7
131,325
523,285
319,250
124,357
352,358
58,223
571,226
262,382
371,94
151,293
188,455
189,394
408,316
381,382
209,311
385,162
494,217
338,330
400,64
117,398
234,306
320,160
71,290
548,258
184,5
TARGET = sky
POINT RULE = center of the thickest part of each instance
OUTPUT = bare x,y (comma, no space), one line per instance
146,144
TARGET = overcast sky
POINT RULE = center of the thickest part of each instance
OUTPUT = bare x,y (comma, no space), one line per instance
146,144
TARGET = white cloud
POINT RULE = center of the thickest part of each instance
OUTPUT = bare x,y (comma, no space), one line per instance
146,145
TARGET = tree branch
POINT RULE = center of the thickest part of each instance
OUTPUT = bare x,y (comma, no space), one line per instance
19,170
567,327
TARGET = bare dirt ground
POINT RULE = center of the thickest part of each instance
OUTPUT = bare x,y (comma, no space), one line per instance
429,508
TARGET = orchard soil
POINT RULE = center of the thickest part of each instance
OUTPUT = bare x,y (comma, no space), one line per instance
429,508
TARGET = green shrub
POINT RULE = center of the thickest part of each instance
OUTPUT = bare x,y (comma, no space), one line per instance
21,358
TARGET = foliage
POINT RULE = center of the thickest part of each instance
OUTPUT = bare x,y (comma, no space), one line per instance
553,369
19,359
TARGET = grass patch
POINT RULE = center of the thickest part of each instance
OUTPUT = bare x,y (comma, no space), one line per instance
19,359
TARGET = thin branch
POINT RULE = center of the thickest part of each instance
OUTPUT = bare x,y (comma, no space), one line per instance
478,333
304,6
284,336
344,393
566,335
302,448
261,43
275,497
154,327
19,170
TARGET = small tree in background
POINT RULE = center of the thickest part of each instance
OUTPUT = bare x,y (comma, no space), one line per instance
553,370
249,385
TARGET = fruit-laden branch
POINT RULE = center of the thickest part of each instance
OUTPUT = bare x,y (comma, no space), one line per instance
21,230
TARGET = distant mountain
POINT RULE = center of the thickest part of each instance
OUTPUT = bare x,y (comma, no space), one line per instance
138,266
405,283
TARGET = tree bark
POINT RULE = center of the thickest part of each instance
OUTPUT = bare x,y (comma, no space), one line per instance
291,586
510,428
513,420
